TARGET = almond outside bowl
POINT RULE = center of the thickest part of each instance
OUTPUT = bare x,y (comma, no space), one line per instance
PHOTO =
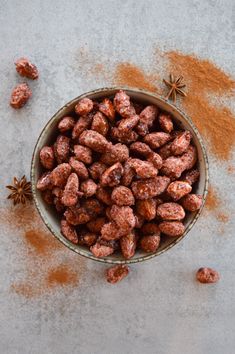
49,132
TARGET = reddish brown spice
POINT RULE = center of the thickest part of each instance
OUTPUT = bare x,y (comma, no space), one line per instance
40,241
212,201
203,78
62,275
231,169
215,122
222,217
127,74
40,250
24,289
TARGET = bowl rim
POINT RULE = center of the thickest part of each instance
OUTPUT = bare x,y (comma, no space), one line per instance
73,247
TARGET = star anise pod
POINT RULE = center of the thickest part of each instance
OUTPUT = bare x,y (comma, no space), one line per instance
175,85
20,190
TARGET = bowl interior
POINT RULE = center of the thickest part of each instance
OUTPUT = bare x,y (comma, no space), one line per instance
47,136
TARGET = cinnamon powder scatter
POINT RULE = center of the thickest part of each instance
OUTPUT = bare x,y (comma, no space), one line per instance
22,217
216,123
97,69
231,169
41,241
24,289
47,263
221,230
223,217
62,275
204,80
127,74
44,275
90,66
212,200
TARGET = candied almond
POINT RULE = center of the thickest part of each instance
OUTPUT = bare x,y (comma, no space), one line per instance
82,124
148,115
60,174
115,153
128,245
141,148
166,123
150,228
61,148
20,95
100,124
150,243
116,273
149,188
77,216
106,107
47,157
189,158
97,169
112,175
44,182
104,194
110,231
191,176
146,208
128,124
84,106
70,196
192,202
100,251
172,228
27,69
144,169
157,139
88,187
94,140
181,143
69,231
66,123
122,104
83,154
79,168
122,195
123,216
207,275
178,189
170,211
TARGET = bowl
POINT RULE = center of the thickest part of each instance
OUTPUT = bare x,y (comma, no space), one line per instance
49,132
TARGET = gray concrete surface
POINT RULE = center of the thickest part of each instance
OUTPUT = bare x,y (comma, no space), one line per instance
160,308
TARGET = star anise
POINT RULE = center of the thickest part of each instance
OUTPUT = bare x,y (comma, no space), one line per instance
175,85
21,190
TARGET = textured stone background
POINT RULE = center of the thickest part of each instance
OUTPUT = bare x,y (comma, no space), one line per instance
160,308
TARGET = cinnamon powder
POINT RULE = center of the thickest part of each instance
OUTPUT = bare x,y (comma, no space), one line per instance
24,289
40,241
127,74
222,217
203,78
212,200
231,169
62,275
40,250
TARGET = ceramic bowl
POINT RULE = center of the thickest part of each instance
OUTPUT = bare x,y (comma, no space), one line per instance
48,134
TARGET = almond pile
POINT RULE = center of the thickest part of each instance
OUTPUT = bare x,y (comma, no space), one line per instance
120,176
